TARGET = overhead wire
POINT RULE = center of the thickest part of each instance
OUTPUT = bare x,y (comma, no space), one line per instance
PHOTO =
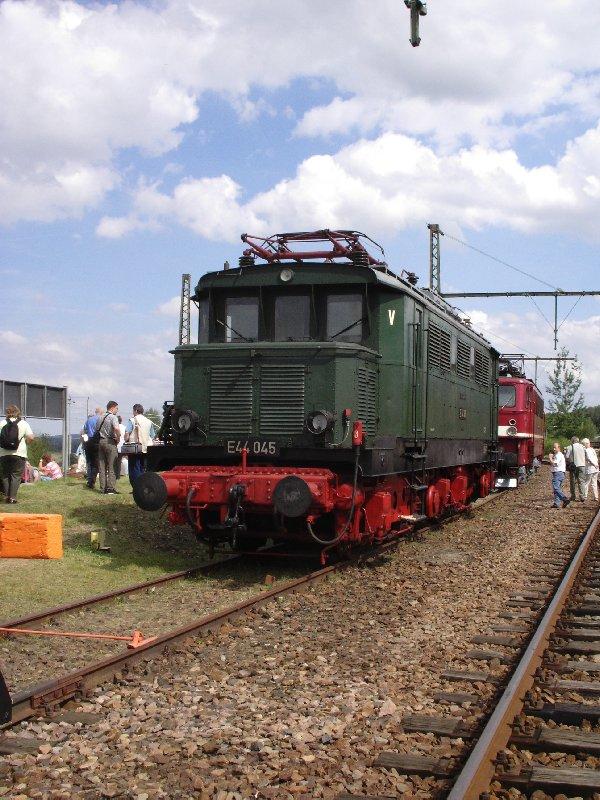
573,307
542,313
500,261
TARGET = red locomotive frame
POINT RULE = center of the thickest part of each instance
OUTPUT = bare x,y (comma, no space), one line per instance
521,428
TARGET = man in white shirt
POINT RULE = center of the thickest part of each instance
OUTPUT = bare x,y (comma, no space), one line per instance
558,467
13,459
575,458
591,470
140,430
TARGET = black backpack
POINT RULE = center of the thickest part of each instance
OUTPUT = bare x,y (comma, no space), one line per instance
95,438
9,435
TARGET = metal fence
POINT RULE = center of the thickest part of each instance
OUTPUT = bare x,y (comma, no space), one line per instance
39,401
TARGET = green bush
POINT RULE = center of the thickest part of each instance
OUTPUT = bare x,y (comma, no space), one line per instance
37,448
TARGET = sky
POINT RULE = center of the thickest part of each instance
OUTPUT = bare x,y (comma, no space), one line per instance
138,140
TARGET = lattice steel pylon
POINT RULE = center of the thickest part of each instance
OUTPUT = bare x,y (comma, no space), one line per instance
184,313
434,257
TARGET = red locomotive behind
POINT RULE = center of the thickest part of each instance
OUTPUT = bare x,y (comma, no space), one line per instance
521,426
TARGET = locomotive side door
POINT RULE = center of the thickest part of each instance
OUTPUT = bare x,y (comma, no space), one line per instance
418,382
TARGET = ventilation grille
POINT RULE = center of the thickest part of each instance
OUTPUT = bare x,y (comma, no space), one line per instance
230,399
482,368
281,400
367,399
463,360
439,344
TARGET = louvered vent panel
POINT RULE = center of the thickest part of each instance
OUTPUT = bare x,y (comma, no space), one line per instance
445,350
463,360
482,368
367,399
439,344
434,346
281,399
230,399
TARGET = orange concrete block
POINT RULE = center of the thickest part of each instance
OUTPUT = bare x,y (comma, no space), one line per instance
31,536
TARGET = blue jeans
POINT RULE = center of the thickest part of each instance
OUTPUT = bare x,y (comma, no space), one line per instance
137,465
557,479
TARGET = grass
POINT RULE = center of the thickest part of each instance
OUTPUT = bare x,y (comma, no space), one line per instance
142,546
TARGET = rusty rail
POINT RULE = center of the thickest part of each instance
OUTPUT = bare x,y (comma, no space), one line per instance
105,596
478,770
31,701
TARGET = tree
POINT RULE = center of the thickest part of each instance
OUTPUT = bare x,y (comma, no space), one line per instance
154,415
564,385
568,417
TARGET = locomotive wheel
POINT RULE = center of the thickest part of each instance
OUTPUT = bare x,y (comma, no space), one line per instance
484,485
433,502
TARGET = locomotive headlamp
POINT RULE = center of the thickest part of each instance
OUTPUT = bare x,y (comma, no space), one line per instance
185,421
511,430
286,275
319,422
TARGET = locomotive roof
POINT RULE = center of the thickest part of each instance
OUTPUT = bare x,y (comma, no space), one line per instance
335,273
511,379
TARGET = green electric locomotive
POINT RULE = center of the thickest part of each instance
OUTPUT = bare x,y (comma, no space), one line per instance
327,399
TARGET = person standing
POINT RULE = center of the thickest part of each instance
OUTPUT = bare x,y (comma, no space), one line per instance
109,435
90,446
120,455
575,458
558,468
15,434
591,470
140,430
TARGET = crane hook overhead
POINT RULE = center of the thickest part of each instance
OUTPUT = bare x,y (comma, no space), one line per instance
417,9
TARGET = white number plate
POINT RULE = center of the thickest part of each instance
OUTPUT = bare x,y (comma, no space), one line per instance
255,447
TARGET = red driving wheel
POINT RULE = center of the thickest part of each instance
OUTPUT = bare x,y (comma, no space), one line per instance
432,502
484,485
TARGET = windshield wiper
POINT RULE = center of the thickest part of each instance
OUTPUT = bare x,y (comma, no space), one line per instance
347,328
233,330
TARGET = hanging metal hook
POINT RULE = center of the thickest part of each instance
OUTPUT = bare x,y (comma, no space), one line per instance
417,9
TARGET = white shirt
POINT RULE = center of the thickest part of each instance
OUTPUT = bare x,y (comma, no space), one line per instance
591,461
122,439
24,430
558,462
576,453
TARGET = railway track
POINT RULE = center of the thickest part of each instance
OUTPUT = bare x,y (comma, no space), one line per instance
45,696
555,627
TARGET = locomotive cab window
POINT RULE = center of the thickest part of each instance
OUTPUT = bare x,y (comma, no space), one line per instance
203,311
292,317
507,396
239,322
345,318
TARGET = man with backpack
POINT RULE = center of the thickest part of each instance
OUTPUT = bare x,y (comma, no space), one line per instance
15,433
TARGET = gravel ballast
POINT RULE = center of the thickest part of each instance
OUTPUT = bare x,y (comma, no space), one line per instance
296,700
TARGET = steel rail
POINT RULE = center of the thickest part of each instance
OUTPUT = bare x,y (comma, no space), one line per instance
478,771
105,596
33,700
206,566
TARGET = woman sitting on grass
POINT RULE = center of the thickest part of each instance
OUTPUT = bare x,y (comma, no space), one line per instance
49,469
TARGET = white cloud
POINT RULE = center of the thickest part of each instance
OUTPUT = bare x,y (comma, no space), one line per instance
11,338
170,308
388,183
79,83
142,372
527,333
